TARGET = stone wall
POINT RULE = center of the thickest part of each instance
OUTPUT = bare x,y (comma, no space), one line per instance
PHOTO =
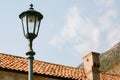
17,76
91,66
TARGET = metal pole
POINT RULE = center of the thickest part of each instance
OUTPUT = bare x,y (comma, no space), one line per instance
30,55
30,72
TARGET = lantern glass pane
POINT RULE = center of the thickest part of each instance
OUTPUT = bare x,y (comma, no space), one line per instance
31,23
24,23
37,25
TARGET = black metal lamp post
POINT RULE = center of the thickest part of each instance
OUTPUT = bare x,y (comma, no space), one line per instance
31,23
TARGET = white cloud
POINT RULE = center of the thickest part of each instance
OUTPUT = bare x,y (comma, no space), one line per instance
85,34
69,30
79,31
81,47
110,27
106,19
104,2
114,36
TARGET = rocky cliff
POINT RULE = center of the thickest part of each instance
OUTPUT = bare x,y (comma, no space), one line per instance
110,61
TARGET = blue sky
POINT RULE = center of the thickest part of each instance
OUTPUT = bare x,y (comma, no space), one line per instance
69,29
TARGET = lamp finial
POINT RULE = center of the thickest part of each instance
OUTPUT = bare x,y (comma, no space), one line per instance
31,6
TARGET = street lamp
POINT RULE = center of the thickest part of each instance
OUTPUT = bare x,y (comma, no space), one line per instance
31,23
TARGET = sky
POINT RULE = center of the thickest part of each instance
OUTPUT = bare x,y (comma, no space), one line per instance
69,30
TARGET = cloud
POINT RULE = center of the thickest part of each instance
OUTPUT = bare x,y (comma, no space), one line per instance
79,31
106,20
69,30
110,27
104,2
85,34
114,36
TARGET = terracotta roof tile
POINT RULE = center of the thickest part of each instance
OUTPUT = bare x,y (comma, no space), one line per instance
10,62
109,77
40,67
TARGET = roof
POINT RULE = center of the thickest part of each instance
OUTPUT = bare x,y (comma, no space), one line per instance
109,77
20,64
16,63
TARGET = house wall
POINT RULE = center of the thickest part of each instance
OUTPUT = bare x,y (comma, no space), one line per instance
18,76
91,66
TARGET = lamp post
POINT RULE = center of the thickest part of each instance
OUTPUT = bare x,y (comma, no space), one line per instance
31,23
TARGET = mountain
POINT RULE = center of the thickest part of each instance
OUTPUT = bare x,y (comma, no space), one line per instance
110,61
